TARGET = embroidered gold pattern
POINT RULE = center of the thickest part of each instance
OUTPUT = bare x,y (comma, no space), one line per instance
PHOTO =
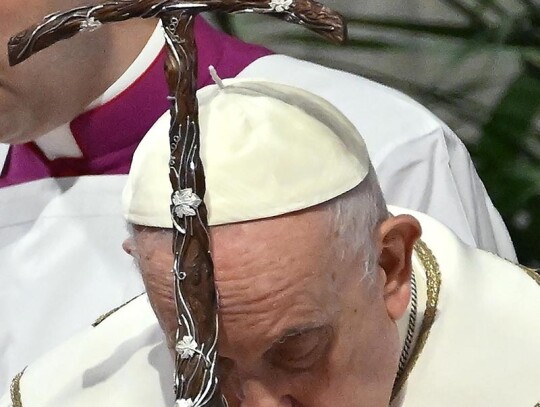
433,275
15,390
534,274
108,314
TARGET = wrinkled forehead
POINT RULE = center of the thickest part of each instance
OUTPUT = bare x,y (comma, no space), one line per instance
272,268
290,246
304,239
271,274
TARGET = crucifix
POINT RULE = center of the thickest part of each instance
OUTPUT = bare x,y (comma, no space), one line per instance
196,379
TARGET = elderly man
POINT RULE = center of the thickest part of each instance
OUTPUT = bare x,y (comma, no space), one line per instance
326,296
74,131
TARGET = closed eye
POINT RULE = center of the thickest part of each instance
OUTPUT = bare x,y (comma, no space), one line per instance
301,350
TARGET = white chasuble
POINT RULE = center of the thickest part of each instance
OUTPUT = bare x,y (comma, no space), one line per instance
475,344
61,263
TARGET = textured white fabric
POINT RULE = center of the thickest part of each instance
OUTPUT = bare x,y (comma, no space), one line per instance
420,162
483,347
266,149
59,142
121,362
4,148
482,350
61,263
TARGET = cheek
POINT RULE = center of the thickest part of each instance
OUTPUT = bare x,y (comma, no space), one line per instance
159,287
358,371
362,378
361,366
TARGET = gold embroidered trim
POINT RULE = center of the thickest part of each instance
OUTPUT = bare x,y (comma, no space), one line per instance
15,390
534,274
433,275
108,314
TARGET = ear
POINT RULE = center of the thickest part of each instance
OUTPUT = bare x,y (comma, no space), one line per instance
397,236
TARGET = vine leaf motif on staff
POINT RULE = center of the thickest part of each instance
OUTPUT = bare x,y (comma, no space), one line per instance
196,381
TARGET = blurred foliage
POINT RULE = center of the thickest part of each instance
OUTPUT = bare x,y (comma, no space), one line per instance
506,149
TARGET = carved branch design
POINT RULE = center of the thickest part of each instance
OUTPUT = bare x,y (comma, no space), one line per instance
195,293
63,25
196,381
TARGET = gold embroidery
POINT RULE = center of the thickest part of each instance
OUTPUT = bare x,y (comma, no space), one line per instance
537,404
433,274
108,314
15,390
534,274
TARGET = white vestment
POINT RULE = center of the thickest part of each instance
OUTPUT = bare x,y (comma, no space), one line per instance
60,239
481,348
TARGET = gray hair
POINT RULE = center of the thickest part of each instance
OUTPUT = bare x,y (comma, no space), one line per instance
354,218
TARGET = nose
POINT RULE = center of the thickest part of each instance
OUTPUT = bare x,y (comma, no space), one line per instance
256,394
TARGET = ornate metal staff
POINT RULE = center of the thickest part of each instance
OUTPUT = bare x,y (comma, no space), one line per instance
196,382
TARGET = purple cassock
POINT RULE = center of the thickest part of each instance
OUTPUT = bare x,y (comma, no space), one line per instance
108,135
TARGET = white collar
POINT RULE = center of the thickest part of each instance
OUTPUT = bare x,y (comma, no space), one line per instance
4,149
60,141
148,55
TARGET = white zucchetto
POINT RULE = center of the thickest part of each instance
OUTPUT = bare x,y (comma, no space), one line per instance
267,149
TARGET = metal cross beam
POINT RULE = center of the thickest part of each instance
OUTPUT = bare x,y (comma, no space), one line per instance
196,381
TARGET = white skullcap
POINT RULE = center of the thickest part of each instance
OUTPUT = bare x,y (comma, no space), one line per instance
267,149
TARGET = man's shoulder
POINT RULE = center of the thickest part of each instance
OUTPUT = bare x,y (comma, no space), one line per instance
382,114
458,259
120,360
483,344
